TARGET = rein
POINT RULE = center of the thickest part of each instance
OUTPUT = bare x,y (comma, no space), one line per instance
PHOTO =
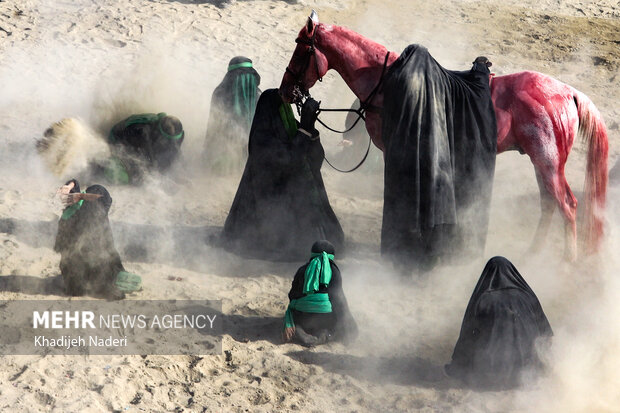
356,166
361,112
364,106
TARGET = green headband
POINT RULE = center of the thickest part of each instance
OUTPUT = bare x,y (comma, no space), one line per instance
144,118
239,65
165,135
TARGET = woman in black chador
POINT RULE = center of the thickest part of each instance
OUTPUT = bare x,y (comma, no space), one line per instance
142,142
89,262
501,325
281,206
318,310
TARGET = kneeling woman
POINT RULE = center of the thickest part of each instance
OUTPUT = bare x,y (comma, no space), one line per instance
89,262
501,326
318,311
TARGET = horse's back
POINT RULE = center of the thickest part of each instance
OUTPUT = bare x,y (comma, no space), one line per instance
543,88
532,108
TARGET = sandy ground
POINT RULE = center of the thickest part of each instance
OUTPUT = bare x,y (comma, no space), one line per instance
100,60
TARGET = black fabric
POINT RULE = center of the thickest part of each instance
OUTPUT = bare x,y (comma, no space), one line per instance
339,324
89,261
281,206
142,146
76,186
502,323
440,138
323,246
227,132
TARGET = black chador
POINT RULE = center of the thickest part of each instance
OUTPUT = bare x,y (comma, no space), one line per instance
89,262
281,206
143,142
318,311
440,137
502,324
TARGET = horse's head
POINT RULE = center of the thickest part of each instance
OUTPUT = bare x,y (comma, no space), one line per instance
307,65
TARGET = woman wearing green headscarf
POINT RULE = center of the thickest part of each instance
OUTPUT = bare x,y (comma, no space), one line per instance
318,311
230,117
141,143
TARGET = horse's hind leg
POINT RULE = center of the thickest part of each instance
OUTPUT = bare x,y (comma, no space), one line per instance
569,210
547,206
554,187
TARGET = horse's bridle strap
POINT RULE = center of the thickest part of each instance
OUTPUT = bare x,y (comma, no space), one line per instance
366,103
311,51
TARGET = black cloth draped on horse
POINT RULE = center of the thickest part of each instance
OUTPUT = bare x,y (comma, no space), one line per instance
440,138
281,206
502,323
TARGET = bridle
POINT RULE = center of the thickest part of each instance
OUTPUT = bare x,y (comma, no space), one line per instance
299,94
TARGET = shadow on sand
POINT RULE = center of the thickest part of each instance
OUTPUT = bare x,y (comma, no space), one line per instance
219,3
193,248
253,328
190,247
404,371
28,284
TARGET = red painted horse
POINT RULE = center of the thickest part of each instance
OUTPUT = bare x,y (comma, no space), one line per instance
536,115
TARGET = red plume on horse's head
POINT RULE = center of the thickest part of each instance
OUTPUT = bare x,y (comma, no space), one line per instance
308,64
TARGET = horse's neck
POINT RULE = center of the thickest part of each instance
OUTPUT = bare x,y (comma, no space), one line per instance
358,60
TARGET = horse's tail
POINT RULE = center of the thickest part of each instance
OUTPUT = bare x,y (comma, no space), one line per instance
593,131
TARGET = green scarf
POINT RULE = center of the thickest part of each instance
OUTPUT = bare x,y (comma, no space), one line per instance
71,210
128,282
115,172
286,114
313,303
318,271
244,97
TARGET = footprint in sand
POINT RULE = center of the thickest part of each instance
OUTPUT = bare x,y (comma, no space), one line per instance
116,43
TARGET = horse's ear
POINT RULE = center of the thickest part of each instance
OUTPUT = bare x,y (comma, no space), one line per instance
313,20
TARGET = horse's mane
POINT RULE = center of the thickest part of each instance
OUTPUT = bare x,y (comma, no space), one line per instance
328,32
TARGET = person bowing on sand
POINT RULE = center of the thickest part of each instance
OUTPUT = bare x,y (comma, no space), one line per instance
89,261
